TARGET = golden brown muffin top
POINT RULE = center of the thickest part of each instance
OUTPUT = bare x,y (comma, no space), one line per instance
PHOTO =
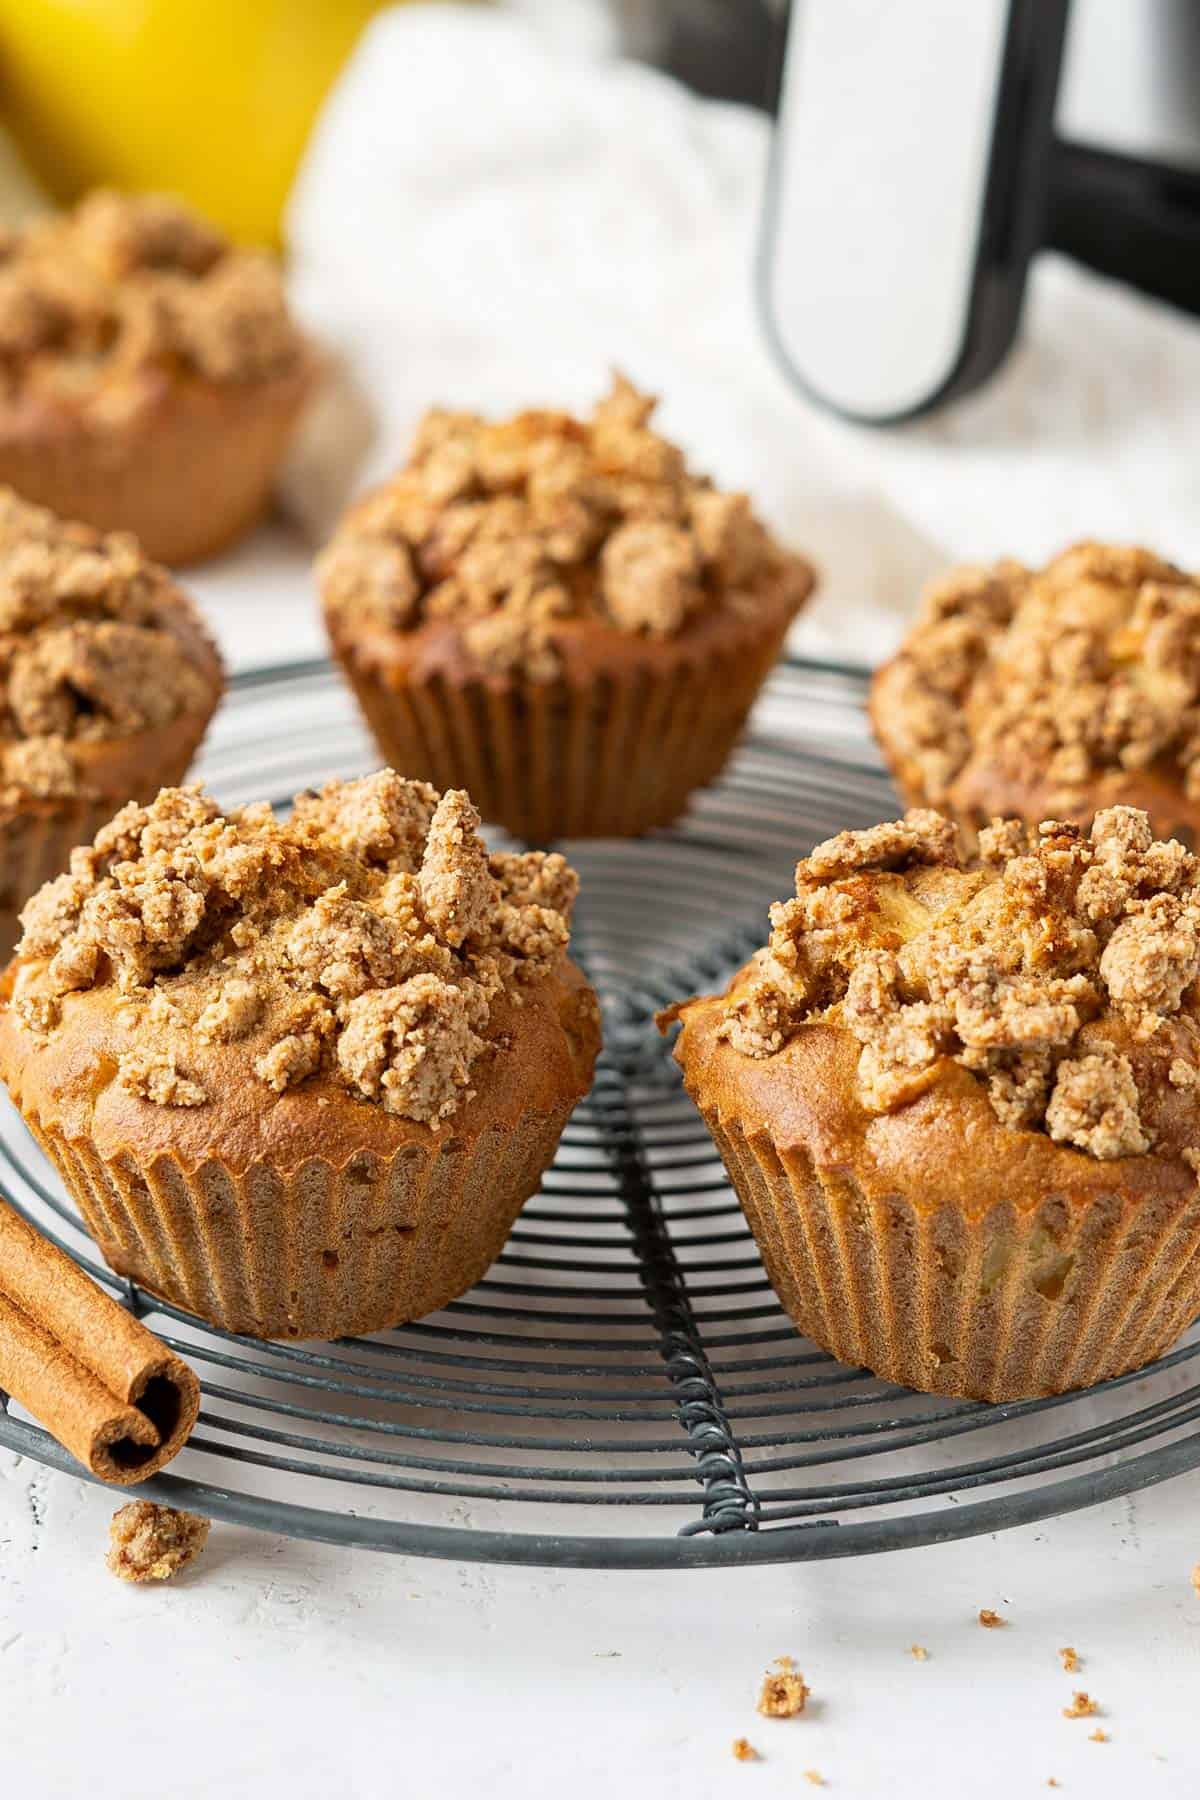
127,282
508,529
96,643
365,938
1087,665
1057,966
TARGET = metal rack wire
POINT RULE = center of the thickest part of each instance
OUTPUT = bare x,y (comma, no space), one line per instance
622,1389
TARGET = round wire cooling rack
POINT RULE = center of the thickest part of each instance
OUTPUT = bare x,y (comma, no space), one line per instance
623,1388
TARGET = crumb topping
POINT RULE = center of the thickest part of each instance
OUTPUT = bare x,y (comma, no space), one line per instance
991,1621
784,1693
1069,1657
1041,966
743,1751
1082,1706
95,642
365,938
148,1542
507,529
1090,664
127,282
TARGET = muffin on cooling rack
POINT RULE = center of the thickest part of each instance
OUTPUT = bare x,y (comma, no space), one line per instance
558,615
960,1100
150,373
300,1076
1051,693
108,679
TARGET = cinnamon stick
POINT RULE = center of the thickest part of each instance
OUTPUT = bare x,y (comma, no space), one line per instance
99,1382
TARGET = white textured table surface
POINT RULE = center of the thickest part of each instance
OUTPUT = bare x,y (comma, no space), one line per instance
287,1669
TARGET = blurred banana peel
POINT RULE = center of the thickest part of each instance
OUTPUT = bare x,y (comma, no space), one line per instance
211,100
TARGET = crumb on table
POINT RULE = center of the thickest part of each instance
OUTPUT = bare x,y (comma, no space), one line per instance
1196,1578
1098,1736
989,1619
783,1694
744,1751
153,1543
815,1777
918,1652
1070,1658
1082,1706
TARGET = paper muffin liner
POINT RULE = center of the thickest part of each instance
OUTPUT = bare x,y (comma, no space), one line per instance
187,476
1005,1307
315,1251
610,754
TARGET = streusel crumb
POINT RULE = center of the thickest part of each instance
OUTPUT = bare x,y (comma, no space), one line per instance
1069,1658
1086,665
124,284
991,1621
508,529
96,642
1049,967
783,1695
1082,1706
744,1751
152,1543
366,938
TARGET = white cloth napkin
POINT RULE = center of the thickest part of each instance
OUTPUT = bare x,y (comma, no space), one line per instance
485,219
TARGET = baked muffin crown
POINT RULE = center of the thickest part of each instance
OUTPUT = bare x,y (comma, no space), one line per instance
1057,967
368,940
508,531
125,283
1051,677
96,643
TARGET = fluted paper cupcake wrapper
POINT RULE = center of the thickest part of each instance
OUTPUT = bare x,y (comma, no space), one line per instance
611,756
187,478
315,1251
35,846
1006,1307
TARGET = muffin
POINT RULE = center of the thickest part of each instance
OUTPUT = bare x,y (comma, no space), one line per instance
108,679
150,374
300,1077
1052,693
958,1099
558,615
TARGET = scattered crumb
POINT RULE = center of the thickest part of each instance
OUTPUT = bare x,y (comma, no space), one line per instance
815,1776
1070,1658
153,1543
989,1619
918,1652
744,1751
1196,1578
783,1695
784,1662
1098,1736
1050,1781
1082,1706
